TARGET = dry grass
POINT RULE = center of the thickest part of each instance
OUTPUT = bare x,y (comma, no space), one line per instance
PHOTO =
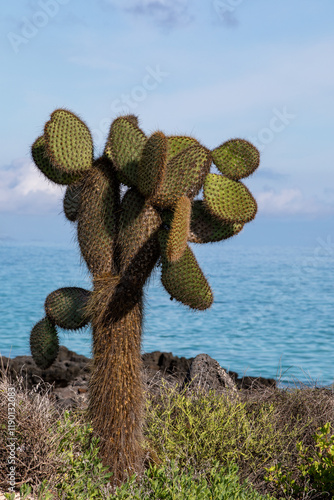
35,416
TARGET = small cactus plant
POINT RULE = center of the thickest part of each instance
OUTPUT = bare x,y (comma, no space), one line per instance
122,239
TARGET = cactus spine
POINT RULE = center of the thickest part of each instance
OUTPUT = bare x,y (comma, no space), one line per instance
122,240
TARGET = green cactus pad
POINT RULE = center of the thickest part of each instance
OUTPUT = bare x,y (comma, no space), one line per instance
177,143
138,223
68,143
44,343
124,147
54,174
183,279
98,216
228,200
152,163
236,158
71,201
66,307
206,228
184,175
179,231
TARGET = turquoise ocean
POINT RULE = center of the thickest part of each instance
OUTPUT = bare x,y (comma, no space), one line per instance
272,315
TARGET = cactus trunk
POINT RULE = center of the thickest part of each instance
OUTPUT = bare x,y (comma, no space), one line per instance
116,390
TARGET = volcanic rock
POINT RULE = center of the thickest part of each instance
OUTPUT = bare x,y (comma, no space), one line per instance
67,378
206,373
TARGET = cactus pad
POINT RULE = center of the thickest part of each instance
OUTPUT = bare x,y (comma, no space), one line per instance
178,142
183,279
138,223
98,216
68,142
229,200
71,201
44,343
66,307
124,146
152,163
236,158
184,175
206,228
41,159
179,231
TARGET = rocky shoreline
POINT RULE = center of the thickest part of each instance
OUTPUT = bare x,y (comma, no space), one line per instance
67,379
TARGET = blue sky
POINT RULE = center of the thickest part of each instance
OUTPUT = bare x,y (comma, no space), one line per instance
261,70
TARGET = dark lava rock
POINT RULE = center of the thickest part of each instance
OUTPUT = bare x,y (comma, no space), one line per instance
69,374
255,382
67,366
166,363
206,373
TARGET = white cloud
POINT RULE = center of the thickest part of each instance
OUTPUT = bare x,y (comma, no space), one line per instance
23,189
290,201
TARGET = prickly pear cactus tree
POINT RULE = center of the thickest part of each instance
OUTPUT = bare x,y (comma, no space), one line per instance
122,239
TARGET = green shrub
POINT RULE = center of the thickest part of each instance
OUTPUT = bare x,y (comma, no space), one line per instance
83,476
171,483
316,467
199,428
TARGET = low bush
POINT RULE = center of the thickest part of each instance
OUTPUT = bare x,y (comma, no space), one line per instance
259,444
